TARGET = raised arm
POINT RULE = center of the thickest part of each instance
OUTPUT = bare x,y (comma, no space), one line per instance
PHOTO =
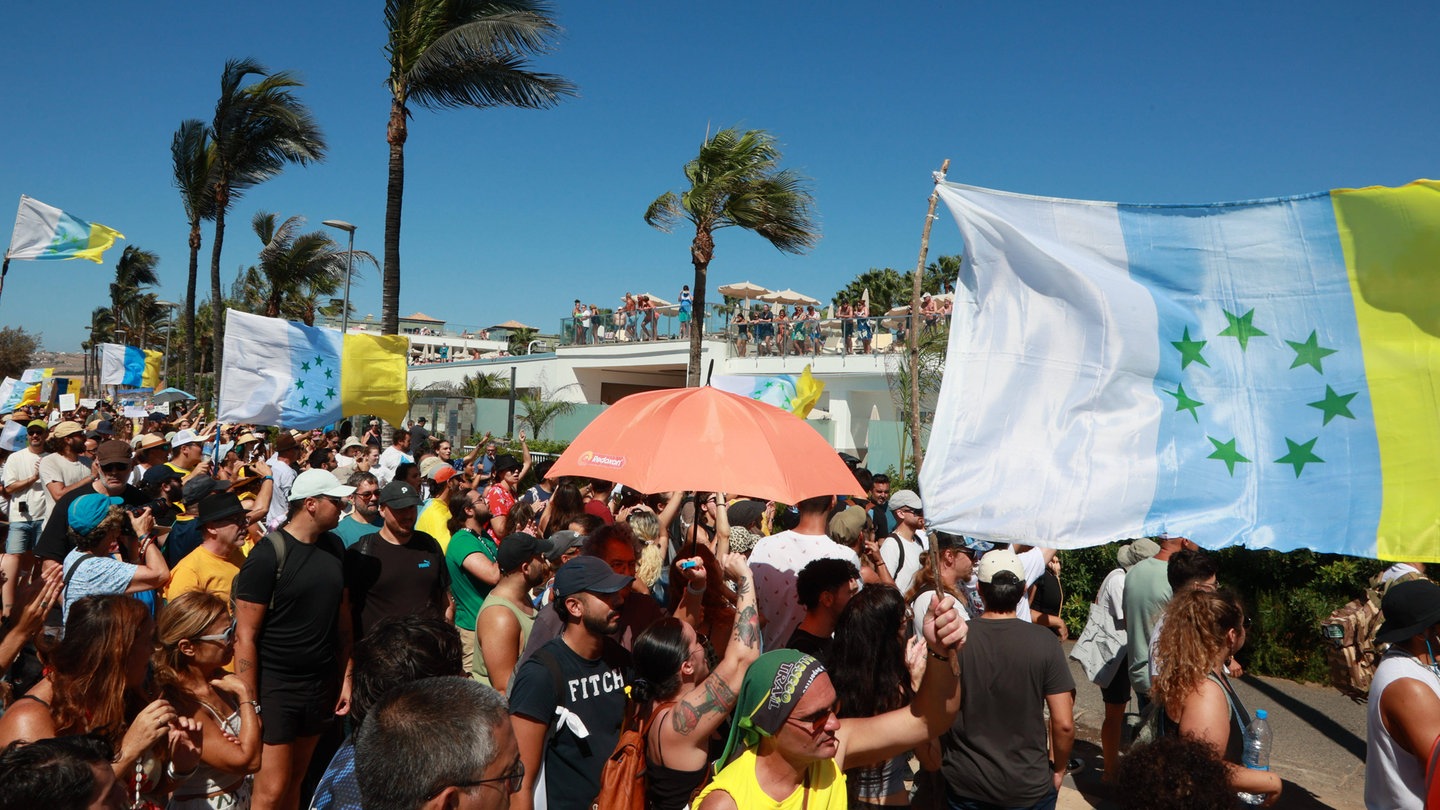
702,709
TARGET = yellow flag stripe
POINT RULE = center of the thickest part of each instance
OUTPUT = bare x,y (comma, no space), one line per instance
1391,239
373,376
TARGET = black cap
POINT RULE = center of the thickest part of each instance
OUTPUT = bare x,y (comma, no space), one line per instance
1409,608
199,486
588,574
504,463
219,506
399,495
159,474
105,428
519,548
744,513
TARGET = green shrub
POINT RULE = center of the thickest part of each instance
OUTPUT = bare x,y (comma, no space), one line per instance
1286,593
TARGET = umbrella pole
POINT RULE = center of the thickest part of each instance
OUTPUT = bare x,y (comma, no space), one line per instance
916,451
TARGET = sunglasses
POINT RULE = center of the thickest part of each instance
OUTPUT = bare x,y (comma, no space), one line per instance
815,722
118,466
219,638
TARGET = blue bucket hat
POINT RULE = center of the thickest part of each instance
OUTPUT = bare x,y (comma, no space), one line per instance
87,511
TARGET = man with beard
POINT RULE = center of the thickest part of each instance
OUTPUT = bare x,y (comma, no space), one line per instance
111,470
61,471
292,633
364,517
502,626
583,674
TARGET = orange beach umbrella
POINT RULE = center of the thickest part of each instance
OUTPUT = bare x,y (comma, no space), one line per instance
707,440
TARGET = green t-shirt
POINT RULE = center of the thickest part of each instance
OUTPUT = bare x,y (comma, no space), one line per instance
469,592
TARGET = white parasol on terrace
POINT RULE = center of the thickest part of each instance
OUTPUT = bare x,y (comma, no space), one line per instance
788,296
744,289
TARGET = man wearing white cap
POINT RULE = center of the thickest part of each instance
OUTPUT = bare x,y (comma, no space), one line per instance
292,633
996,754
902,548
187,453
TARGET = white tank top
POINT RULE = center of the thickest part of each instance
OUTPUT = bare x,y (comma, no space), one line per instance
1394,780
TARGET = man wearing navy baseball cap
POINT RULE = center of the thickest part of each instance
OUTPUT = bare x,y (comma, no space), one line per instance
591,670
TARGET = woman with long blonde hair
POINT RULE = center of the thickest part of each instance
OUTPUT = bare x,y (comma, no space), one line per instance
1202,630
196,640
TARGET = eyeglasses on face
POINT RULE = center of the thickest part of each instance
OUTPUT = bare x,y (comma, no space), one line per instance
117,467
510,782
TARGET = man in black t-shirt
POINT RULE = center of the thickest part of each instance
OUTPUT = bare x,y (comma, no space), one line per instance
999,752
112,472
292,633
824,587
397,571
583,672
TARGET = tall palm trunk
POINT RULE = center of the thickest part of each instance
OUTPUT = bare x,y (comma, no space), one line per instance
217,300
395,134
702,250
188,317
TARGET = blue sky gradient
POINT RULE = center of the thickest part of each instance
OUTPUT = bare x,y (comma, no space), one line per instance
513,214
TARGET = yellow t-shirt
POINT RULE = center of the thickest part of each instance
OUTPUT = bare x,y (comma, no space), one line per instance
202,570
826,787
435,521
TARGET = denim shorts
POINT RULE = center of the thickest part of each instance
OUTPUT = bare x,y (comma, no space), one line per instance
23,536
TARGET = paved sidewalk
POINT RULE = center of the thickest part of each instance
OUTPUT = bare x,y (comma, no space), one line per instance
1319,747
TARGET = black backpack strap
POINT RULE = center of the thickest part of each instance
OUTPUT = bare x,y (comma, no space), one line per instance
70,572
900,545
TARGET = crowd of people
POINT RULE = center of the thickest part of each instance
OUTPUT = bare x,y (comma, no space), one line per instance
224,616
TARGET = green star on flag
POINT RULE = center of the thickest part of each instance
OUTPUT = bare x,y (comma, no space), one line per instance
1310,353
1334,404
330,392
1226,452
1241,328
1300,455
305,401
329,374
1183,402
304,366
1190,350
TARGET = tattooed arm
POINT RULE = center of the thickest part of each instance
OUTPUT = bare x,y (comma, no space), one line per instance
702,708
248,618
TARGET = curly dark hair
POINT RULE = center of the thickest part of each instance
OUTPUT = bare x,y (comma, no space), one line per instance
1177,772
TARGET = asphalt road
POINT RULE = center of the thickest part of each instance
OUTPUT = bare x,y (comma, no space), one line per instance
1319,747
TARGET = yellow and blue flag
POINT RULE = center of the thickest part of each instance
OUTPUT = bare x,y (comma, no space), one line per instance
290,375
1264,373
45,233
797,394
129,366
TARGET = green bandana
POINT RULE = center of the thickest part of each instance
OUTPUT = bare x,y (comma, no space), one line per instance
772,686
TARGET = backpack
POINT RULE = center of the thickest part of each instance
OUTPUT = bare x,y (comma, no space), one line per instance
1352,652
622,781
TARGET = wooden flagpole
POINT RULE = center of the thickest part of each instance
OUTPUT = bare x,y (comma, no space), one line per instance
916,448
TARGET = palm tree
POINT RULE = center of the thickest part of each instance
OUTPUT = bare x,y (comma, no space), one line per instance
296,269
735,181
483,386
456,53
256,131
518,341
192,157
538,411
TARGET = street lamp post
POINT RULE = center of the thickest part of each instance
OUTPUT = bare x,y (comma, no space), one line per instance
169,305
349,265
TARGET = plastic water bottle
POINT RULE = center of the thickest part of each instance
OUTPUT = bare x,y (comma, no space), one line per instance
1257,752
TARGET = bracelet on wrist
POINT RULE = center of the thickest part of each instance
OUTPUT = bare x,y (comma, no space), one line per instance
937,656
700,591
179,776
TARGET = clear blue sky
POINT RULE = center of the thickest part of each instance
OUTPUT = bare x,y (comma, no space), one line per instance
513,214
